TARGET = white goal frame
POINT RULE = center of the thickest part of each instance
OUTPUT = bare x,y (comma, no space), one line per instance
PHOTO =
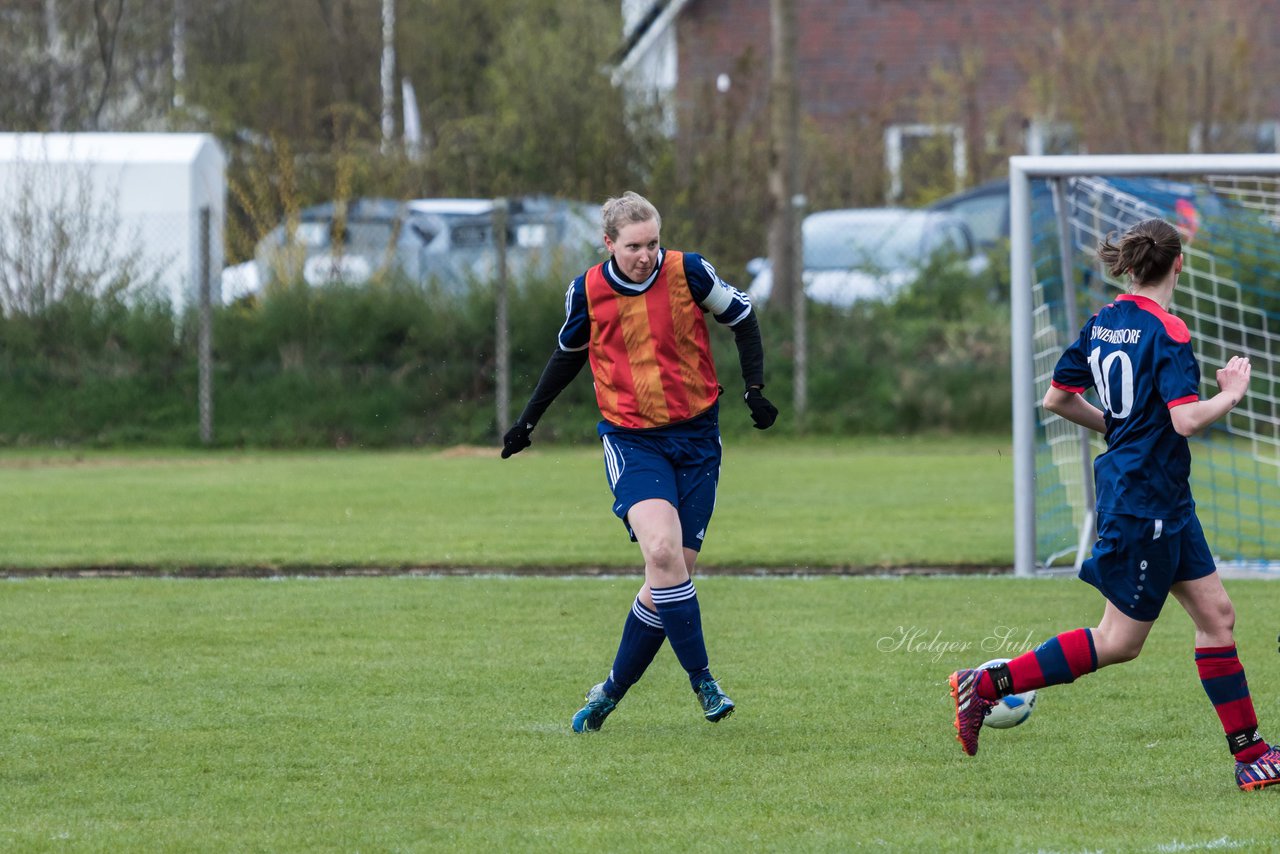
1056,170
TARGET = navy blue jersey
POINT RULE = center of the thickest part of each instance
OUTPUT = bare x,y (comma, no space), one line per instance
1138,359
723,301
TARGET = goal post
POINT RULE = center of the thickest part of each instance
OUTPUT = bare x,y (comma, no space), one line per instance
1228,208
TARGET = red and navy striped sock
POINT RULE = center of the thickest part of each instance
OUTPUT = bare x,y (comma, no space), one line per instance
1222,676
1057,661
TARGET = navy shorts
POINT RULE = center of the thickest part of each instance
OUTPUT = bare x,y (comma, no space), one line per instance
1136,561
681,470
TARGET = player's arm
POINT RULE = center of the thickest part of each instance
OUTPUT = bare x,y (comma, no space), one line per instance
561,368
1233,382
1072,406
750,344
1072,376
732,308
746,335
565,363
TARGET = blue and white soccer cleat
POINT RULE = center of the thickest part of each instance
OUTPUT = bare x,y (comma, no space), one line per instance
971,709
716,704
591,716
1261,772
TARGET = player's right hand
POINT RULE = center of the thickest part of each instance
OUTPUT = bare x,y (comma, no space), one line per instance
516,439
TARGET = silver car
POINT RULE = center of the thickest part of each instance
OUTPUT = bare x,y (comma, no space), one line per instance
445,242
859,254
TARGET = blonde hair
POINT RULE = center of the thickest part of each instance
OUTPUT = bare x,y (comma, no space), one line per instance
627,209
1146,251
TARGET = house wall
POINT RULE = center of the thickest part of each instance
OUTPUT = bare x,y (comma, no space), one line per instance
872,60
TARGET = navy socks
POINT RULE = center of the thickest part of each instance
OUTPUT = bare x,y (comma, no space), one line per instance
642,637
682,620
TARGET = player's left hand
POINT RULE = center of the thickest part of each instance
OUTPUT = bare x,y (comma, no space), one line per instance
1233,378
763,413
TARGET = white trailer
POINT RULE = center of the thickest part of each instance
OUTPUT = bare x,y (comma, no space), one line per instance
159,187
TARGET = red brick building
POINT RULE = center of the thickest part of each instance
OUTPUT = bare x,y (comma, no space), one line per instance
975,81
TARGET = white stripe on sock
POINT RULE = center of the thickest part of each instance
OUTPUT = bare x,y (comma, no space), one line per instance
644,615
669,595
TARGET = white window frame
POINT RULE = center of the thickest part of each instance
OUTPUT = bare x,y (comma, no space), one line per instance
1048,137
894,135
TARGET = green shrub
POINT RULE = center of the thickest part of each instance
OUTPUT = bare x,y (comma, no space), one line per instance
934,360
392,364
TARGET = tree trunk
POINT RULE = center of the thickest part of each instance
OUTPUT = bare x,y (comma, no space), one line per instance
783,155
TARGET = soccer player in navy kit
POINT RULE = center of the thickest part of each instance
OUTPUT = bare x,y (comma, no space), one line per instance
1138,359
638,319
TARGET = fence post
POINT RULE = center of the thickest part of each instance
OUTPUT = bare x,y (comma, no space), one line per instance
204,345
800,316
502,344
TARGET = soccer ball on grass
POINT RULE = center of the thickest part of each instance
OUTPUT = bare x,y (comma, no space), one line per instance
1011,710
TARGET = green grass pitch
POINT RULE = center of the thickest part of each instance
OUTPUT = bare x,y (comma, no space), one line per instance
432,714
859,503
428,713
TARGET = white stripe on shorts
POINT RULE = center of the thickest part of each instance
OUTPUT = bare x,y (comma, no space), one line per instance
613,462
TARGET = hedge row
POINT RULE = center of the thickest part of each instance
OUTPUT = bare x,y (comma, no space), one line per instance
393,365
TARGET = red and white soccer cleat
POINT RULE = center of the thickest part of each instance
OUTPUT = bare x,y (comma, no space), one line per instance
971,709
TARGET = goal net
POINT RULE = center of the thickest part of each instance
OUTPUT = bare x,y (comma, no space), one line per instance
1228,210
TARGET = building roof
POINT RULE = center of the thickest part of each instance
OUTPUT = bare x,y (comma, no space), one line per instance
106,147
645,33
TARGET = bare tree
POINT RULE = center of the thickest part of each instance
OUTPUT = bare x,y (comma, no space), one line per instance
106,29
105,65
1160,72
57,242
784,153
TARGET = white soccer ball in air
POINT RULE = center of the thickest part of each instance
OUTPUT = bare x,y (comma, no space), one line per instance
1011,710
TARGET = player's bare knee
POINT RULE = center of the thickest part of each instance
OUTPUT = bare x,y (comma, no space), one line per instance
665,565
1127,652
1219,623
665,577
1116,650
1118,655
1227,616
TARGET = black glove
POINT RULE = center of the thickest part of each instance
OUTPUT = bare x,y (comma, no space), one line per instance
517,439
763,413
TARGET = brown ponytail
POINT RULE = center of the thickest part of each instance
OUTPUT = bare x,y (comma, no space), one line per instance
1146,251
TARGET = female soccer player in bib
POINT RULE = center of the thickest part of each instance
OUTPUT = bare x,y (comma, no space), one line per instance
1138,358
639,320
